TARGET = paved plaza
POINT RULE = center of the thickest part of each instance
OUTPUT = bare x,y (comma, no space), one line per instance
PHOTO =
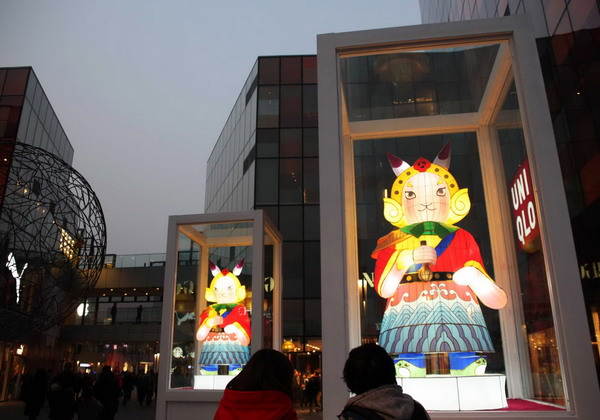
13,410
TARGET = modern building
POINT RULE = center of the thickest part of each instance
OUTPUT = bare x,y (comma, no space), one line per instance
409,91
118,323
266,157
26,116
568,44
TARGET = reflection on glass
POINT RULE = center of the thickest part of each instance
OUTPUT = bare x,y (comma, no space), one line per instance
537,310
183,349
416,83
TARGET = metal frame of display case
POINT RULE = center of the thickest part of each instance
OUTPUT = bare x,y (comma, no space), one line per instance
196,403
517,60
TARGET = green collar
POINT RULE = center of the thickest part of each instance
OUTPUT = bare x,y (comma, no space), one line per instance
429,228
227,306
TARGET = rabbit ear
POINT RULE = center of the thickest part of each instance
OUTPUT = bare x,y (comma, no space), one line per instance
213,269
443,158
398,165
238,268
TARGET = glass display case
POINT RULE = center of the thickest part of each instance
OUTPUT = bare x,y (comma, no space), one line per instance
221,303
451,217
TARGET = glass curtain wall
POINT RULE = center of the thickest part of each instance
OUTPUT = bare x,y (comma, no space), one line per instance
287,189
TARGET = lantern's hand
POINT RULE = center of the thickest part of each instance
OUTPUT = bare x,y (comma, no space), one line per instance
424,255
214,321
240,336
488,292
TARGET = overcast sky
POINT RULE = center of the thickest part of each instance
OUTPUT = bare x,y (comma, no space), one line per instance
144,87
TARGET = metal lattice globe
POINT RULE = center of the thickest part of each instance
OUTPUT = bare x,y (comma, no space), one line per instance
52,239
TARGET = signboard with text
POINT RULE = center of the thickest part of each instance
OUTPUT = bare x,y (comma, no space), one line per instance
522,202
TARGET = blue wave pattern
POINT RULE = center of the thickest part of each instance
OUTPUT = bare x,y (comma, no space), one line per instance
224,353
446,326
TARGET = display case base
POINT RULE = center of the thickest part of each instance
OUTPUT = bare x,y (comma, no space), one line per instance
459,393
210,382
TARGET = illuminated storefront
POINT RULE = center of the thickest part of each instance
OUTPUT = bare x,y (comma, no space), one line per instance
207,337
436,239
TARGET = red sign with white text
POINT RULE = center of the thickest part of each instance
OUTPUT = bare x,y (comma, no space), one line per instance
522,201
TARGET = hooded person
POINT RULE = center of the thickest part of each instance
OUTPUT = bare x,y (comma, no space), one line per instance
369,373
261,391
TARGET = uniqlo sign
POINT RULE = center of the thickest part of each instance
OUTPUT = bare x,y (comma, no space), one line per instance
524,210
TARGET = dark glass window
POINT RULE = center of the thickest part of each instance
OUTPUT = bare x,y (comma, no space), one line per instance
290,222
312,229
290,184
2,77
268,107
267,142
268,71
311,142
312,270
16,80
292,270
291,70
310,115
291,142
311,180
266,181
271,212
312,317
292,315
309,69
291,106
10,110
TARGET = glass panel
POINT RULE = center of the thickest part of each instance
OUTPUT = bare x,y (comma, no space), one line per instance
291,71
309,69
183,348
268,107
427,313
16,80
267,142
291,106
537,310
310,115
311,181
290,218
212,333
292,315
268,71
290,181
310,142
416,83
312,270
268,295
312,223
267,173
292,270
291,142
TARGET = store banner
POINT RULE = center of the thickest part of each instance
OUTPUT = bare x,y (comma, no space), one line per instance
524,210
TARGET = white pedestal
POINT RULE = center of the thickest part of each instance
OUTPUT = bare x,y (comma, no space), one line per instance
218,382
459,393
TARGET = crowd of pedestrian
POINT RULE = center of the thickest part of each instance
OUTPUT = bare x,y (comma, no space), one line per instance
307,390
86,396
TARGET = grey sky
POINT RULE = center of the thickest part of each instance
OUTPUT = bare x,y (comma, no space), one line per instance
143,88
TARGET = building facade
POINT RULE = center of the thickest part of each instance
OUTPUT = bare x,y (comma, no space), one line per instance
267,158
568,43
26,116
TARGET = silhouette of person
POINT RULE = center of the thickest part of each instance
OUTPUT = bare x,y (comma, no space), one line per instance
113,312
138,318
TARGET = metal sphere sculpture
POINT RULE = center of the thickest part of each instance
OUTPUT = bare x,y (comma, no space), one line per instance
52,239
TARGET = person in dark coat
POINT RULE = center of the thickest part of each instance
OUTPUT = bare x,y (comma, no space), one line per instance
36,394
106,390
369,373
61,396
261,391
88,407
128,382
